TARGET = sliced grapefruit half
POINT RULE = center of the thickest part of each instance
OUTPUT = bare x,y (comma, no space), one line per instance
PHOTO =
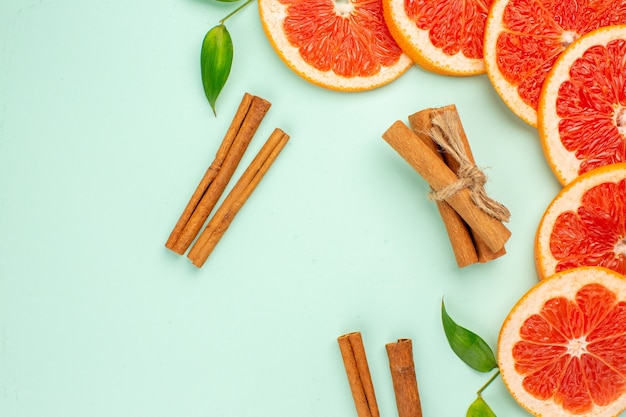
585,224
442,36
562,348
523,39
342,45
582,107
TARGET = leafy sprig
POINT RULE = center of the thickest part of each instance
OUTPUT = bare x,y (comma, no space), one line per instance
216,57
476,353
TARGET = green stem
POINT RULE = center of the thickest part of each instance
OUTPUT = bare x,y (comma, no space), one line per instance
479,392
235,11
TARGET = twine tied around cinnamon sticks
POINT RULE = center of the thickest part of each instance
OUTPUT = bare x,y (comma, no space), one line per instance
445,133
473,221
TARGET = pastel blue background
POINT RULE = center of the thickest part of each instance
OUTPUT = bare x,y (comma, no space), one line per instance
104,134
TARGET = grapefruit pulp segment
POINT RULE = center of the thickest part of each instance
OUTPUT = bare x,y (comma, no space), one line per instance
340,45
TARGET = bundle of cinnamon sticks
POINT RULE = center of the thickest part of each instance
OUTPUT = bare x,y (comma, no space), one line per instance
401,366
244,125
436,146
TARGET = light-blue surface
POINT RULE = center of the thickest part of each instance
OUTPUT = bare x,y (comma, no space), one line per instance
104,134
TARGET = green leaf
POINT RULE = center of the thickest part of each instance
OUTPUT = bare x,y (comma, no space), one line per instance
216,59
228,1
467,345
479,408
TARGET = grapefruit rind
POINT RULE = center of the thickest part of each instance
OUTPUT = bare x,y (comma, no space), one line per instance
568,199
273,13
416,43
507,91
564,284
564,163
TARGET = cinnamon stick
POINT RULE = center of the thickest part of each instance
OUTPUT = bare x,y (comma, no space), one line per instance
245,123
359,378
458,231
403,377
485,254
461,236
426,162
231,205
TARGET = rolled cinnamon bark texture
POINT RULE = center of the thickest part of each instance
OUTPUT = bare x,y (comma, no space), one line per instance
358,373
402,369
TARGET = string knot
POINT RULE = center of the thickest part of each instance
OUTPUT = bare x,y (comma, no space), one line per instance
445,133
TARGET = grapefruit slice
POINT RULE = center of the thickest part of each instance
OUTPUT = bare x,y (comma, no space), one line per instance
442,36
582,107
523,39
585,224
562,348
341,45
